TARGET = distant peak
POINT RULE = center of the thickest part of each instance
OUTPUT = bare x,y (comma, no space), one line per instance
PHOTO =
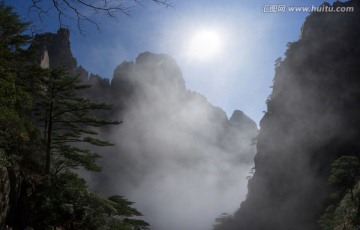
239,118
237,114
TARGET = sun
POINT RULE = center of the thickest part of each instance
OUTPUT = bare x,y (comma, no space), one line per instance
205,44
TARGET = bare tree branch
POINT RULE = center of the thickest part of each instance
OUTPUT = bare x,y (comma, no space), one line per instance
83,11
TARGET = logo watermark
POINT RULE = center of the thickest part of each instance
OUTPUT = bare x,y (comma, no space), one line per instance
279,8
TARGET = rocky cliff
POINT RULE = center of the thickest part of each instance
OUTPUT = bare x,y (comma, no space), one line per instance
173,145
54,50
313,118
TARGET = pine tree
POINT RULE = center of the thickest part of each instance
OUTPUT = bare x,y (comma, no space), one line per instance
56,197
67,120
15,95
75,206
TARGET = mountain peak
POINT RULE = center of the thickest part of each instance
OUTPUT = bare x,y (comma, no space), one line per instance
239,118
54,49
154,69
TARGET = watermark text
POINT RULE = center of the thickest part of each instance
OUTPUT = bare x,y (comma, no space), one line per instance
279,8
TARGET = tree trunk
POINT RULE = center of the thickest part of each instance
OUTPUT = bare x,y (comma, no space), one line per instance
48,140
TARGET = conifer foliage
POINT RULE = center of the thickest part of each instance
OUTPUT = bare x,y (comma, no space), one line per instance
44,129
67,119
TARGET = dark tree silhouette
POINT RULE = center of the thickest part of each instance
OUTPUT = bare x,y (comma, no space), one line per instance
66,119
345,172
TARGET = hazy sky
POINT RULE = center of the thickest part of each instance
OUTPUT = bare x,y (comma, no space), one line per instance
238,76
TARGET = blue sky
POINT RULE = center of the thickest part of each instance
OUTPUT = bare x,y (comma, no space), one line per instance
238,77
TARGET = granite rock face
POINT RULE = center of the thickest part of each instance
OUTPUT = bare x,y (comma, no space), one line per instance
54,50
313,118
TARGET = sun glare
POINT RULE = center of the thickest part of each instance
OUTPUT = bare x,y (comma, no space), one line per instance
204,44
